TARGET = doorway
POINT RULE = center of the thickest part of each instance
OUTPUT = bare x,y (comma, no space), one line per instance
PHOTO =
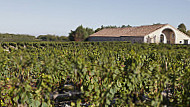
170,35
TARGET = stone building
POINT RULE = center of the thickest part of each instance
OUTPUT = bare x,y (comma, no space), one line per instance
160,33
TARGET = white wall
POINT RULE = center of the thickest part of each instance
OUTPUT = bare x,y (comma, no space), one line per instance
179,35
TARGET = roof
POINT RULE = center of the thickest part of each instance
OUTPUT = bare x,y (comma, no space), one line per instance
128,31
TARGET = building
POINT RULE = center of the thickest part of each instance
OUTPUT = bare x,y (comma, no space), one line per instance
159,33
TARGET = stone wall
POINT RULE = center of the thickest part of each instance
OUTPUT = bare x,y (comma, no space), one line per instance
132,39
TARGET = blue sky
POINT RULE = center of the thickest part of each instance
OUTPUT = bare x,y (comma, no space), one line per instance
58,17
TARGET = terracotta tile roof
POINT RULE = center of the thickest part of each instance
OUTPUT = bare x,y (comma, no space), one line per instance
129,31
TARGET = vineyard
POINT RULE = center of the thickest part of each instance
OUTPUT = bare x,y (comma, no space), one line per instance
94,74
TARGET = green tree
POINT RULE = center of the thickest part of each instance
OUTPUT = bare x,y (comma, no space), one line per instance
42,37
182,28
188,32
156,23
110,26
80,34
89,31
124,26
49,37
98,29
102,27
17,38
63,38
71,36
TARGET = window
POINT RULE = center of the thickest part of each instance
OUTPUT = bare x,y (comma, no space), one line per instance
185,42
148,40
161,38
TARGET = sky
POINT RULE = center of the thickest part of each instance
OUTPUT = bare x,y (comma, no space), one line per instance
59,17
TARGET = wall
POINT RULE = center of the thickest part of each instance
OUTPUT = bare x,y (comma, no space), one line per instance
124,38
181,37
104,39
133,39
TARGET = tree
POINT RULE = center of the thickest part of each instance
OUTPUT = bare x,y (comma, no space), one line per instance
124,26
71,36
89,31
16,37
49,37
80,34
188,32
110,26
156,23
63,38
182,28
98,29
102,27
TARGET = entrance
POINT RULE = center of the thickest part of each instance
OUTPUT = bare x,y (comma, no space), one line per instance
170,36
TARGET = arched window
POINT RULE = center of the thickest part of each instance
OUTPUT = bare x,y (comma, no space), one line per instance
148,40
161,38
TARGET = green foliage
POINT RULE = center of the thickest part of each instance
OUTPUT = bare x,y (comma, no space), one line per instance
17,38
108,73
182,28
80,34
110,26
188,32
89,31
52,38
28,38
156,23
124,26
